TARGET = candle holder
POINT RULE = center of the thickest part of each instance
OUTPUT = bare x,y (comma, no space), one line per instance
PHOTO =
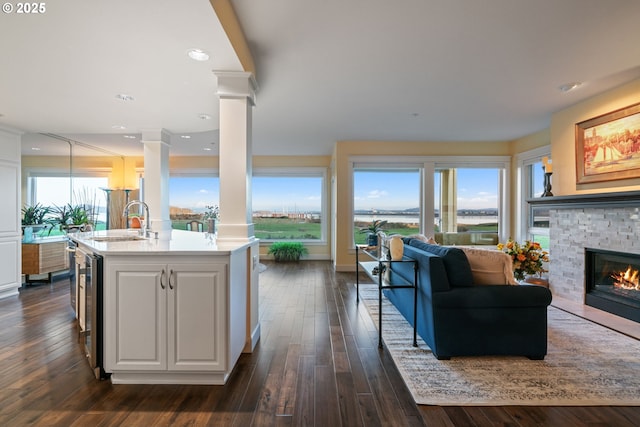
547,184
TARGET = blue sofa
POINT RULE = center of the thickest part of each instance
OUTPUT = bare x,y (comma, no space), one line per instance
457,318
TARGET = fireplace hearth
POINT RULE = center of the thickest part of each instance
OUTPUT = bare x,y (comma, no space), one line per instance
612,282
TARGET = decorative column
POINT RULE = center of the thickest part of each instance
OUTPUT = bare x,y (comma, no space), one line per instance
448,202
237,98
156,180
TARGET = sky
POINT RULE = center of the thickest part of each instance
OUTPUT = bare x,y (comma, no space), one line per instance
278,194
54,191
194,192
477,189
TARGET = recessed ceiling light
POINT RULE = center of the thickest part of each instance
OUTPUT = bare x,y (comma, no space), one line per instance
567,87
185,136
207,148
119,127
124,97
35,148
129,136
204,116
198,54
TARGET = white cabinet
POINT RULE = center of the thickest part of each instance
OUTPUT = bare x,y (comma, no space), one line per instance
166,317
10,231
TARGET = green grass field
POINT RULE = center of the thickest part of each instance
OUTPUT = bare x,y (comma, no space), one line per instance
286,229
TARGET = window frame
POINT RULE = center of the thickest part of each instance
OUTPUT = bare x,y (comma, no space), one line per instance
428,166
32,173
524,211
295,172
184,173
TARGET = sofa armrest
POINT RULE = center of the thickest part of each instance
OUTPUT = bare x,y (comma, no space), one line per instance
493,296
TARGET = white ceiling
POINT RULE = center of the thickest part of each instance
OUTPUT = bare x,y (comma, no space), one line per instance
407,70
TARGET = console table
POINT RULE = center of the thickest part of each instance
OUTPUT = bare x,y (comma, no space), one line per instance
44,256
375,266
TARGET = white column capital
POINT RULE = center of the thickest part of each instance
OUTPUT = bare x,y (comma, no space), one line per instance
156,135
237,84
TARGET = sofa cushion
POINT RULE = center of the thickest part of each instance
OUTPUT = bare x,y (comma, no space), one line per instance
454,260
490,267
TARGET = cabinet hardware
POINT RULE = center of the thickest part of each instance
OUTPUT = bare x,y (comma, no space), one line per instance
170,275
162,279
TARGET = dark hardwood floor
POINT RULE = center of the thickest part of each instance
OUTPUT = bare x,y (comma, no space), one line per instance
317,364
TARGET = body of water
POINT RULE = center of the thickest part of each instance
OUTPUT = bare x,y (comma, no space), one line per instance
415,219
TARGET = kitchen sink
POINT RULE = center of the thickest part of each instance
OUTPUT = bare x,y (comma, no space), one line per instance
116,238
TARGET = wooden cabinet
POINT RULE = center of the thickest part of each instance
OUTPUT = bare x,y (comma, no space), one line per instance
44,256
168,317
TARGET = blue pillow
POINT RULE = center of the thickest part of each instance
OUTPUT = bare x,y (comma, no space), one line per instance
455,262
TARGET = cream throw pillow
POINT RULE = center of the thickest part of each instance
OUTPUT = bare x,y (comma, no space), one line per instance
490,267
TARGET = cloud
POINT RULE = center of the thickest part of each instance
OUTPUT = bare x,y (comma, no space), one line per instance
204,191
480,201
377,194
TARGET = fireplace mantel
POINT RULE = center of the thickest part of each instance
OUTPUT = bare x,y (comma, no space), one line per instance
595,200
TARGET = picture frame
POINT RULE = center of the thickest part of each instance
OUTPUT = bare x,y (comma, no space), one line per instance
608,146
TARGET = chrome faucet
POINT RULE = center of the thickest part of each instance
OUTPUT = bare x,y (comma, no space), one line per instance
147,219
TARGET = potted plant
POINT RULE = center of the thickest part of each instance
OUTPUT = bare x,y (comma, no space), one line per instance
34,219
528,258
372,231
287,251
35,215
71,217
211,215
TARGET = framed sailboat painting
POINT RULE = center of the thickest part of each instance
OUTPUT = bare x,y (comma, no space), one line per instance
608,146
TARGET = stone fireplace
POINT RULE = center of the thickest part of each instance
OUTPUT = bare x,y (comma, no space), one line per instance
609,222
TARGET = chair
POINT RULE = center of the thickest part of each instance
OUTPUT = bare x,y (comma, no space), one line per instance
195,226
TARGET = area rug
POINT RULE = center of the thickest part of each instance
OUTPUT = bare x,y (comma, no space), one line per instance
586,365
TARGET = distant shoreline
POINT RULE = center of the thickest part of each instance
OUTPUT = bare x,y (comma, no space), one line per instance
415,219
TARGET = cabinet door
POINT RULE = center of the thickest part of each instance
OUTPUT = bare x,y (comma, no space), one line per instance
197,313
139,317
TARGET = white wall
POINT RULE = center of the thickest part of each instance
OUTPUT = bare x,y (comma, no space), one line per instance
10,229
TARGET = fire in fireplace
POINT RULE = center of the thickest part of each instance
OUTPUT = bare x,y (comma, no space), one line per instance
612,282
627,279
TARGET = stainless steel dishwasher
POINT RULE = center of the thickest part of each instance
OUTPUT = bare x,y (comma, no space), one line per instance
90,311
73,283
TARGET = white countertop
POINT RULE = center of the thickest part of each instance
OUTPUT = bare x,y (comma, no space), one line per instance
180,243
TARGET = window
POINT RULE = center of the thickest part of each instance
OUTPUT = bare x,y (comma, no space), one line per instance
456,200
535,219
391,195
289,205
56,191
189,195
466,204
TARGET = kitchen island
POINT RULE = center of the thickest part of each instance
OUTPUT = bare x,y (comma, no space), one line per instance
173,311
